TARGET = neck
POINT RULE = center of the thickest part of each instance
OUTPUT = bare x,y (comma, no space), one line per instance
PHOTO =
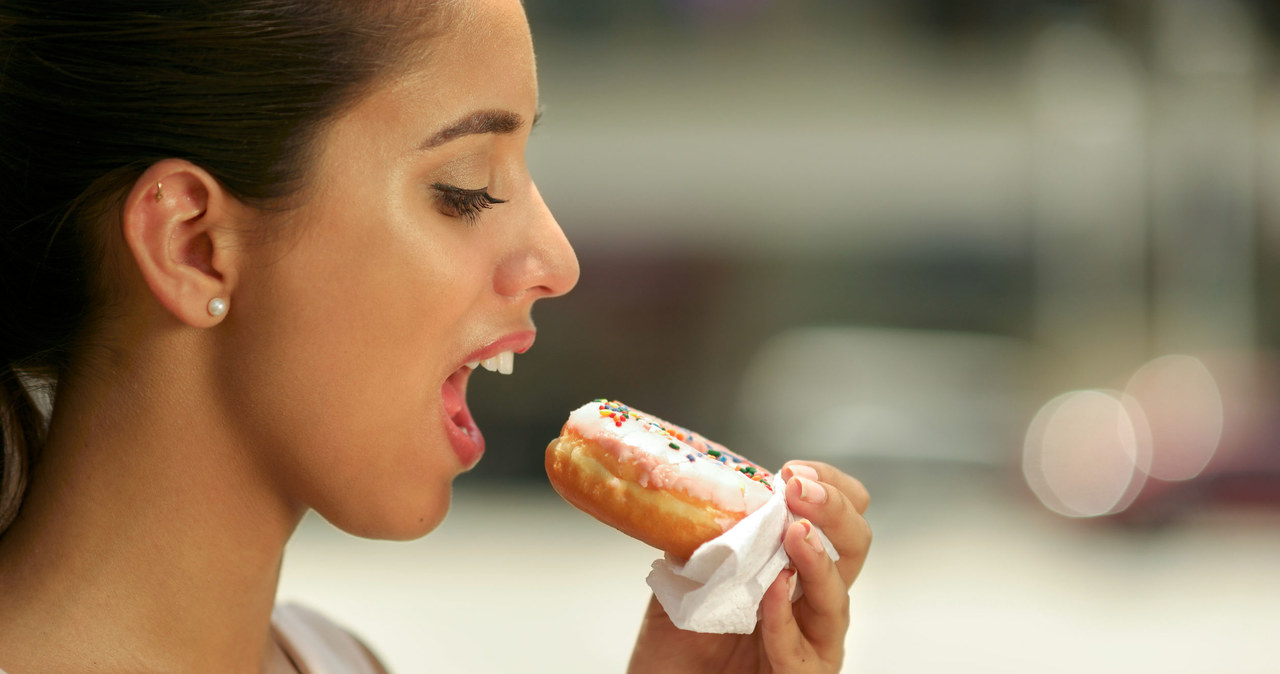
148,538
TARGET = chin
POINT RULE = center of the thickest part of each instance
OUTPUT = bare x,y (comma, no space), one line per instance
396,519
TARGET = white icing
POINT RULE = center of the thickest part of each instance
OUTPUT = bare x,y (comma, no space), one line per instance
639,442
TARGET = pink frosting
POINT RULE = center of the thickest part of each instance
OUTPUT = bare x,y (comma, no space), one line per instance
673,458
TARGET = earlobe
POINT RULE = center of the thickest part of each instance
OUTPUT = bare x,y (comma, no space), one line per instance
174,223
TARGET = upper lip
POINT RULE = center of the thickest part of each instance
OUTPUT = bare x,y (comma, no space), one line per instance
517,342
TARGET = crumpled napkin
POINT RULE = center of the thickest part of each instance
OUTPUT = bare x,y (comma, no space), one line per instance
718,590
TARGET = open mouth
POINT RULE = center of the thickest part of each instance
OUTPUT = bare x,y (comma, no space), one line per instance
464,434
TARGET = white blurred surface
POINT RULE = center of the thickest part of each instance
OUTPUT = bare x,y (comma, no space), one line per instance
964,576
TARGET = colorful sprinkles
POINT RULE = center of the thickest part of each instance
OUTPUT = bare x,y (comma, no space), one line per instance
614,410
619,413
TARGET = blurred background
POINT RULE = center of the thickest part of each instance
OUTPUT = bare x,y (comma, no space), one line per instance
1012,264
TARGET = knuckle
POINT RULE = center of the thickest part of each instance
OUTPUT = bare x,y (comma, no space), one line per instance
864,535
858,494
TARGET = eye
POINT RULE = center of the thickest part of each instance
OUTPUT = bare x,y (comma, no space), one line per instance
459,202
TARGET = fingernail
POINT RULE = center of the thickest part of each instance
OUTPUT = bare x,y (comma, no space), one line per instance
798,470
812,538
810,491
791,584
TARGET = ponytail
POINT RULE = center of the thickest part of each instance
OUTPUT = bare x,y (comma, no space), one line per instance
22,428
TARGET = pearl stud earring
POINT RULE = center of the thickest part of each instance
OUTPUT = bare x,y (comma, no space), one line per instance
217,306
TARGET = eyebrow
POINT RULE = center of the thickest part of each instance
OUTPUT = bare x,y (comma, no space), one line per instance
478,122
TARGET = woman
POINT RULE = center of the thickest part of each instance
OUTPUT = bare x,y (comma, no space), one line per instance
255,243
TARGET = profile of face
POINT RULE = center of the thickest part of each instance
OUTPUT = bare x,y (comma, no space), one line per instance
419,246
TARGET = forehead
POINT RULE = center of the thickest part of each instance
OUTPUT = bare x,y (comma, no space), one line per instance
479,58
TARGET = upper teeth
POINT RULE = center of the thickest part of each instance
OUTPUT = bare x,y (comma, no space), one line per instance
503,363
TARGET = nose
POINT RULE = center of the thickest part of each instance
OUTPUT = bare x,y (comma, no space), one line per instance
542,264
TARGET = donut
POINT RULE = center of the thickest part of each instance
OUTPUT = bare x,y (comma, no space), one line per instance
650,479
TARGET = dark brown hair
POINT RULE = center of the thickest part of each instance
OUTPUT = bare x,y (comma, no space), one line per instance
92,93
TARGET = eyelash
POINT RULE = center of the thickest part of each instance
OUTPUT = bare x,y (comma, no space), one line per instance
459,202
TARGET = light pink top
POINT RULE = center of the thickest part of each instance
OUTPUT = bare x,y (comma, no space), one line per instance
317,645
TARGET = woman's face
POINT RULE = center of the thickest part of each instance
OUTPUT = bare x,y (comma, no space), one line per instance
350,340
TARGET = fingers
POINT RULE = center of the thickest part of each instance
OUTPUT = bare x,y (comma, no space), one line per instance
834,502
821,472
824,609
784,644
807,636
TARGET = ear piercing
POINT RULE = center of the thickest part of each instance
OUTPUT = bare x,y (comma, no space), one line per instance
159,190
217,307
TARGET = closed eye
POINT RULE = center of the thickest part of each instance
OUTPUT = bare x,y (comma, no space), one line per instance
460,202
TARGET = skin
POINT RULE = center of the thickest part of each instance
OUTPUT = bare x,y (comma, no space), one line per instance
184,448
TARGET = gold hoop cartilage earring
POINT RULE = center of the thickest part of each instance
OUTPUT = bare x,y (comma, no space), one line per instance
159,190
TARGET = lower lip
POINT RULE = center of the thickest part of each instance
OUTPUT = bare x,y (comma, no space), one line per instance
466,439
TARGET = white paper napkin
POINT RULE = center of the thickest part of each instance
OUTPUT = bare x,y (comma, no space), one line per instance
718,590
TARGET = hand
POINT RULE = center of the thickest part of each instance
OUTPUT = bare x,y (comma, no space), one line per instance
807,636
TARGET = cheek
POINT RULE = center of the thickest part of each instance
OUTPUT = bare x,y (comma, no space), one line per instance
335,387
370,306
335,431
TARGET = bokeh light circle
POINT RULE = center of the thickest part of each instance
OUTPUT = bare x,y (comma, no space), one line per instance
1082,452
1183,406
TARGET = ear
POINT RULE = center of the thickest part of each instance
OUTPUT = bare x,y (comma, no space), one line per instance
178,224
